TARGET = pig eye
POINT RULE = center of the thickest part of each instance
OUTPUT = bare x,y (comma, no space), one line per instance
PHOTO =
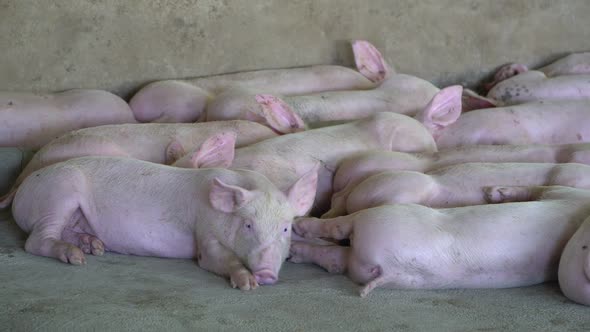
285,229
249,226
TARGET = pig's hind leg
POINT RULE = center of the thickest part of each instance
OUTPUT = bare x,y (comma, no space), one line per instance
48,238
332,258
45,240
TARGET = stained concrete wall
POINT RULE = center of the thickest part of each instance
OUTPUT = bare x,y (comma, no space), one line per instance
119,45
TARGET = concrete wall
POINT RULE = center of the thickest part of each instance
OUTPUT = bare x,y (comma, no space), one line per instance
119,45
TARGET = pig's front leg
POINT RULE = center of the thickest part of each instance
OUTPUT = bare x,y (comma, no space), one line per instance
333,258
216,258
338,228
45,240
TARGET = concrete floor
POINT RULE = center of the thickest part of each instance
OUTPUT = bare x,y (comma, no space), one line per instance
116,293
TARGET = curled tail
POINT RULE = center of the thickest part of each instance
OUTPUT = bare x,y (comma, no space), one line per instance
6,199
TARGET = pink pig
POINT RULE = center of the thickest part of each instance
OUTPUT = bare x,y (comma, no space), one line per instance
460,185
235,223
565,79
408,246
285,158
573,64
400,93
531,123
159,143
186,100
352,171
32,120
403,94
534,85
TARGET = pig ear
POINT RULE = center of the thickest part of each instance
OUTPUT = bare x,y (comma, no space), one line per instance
302,193
443,110
227,198
215,151
174,151
370,62
473,101
279,115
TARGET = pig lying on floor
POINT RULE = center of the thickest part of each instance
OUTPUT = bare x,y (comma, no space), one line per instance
573,64
460,185
236,223
564,79
352,171
285,158
403,94
156,142
32,120
186,100
409,246
531,123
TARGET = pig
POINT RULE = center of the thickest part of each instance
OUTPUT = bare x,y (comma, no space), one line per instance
236,224
283,159
531,123
534,86
403,94
352,171
400,93
409,246
574,266
573,64
156,142
186,100
32,120
460,185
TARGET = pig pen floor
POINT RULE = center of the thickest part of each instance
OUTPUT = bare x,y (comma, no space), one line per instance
127,293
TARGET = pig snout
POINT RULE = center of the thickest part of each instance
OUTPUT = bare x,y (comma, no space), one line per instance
265,277
265,265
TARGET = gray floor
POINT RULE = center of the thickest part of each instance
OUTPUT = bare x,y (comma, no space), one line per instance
117,292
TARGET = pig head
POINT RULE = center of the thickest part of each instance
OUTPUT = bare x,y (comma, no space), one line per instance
256,227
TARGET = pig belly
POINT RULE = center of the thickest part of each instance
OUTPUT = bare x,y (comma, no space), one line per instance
536,124
417,247
148,234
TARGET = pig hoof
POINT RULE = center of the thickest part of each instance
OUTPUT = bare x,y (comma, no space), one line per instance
74,256
244,280
97,247
91,245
